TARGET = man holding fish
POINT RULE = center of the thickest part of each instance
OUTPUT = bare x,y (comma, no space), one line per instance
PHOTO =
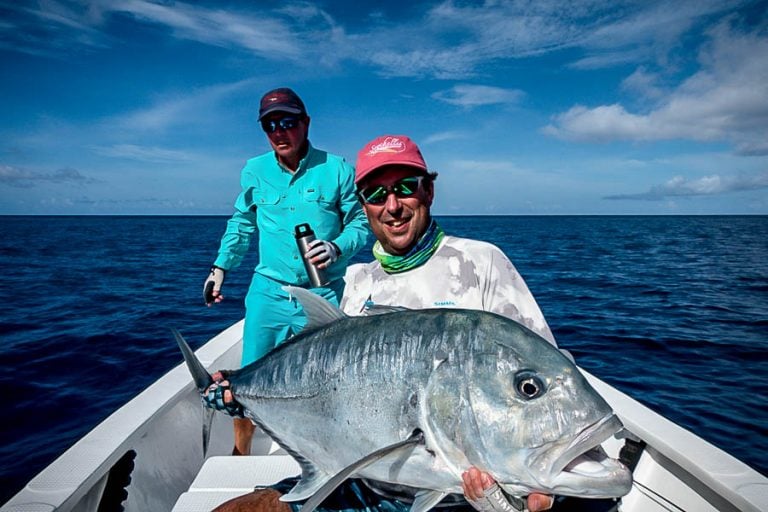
418,266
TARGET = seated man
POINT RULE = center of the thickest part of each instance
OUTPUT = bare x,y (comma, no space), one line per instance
417,266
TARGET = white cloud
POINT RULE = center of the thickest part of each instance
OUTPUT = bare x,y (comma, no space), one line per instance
644,32
456,40
25,178
449,40
469,96
216,26
61,26
443,136
187,108
643,83
144,153
49,28
715,184
724,101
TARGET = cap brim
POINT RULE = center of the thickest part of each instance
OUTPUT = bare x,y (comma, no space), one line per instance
280,108
406,163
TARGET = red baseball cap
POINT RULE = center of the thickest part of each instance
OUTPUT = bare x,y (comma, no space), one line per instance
388,150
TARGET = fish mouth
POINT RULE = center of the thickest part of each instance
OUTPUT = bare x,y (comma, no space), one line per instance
584,469
587,441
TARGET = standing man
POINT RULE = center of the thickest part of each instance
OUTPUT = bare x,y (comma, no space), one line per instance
417,266
293,184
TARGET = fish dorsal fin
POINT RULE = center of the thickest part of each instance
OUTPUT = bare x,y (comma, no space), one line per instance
319,311
426,500
338,478
381,309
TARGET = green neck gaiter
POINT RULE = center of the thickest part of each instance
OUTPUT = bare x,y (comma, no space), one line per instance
421,252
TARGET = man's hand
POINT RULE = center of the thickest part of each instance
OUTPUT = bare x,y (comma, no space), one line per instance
322,253
218,396
212,286
483,494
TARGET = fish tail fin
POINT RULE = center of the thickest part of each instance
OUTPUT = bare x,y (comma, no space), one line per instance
207,422
202,380
200,375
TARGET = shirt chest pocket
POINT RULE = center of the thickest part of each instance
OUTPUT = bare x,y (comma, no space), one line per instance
318,195
255,199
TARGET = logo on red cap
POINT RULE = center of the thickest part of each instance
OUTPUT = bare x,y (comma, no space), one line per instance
388,145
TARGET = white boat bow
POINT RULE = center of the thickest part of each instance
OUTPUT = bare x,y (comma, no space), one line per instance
151,450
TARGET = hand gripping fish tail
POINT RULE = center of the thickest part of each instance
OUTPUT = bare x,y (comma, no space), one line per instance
218,396
213,392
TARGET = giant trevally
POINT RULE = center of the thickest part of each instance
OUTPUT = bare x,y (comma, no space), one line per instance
415,397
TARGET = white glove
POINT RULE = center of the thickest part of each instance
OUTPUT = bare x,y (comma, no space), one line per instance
212,286
322,253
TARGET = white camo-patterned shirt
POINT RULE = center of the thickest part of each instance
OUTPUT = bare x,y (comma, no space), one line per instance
463,273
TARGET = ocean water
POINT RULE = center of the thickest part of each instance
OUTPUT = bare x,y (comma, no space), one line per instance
671,310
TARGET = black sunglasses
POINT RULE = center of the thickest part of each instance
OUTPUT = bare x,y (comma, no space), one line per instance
284,123
406,187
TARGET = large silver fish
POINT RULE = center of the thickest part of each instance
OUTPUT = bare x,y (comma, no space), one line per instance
429,393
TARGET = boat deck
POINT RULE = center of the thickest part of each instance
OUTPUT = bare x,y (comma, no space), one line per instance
225,477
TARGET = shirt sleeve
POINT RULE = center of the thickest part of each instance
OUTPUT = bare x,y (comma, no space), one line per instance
354,231
505,293
240,228
354,274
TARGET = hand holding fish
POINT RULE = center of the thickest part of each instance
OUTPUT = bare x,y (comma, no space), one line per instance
476,485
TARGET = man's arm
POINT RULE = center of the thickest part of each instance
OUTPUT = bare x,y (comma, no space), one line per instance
237,237
354,231
505,293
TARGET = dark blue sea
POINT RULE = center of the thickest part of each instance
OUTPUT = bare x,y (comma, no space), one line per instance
671,310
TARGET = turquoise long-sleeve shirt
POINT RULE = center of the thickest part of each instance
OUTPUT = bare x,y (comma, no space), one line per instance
273,201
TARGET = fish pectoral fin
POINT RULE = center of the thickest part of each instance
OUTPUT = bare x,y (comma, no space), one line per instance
426,500
330,485
381,309
311,481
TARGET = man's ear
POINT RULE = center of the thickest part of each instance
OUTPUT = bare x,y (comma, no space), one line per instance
429,192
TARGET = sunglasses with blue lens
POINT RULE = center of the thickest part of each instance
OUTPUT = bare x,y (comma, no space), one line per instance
284,123
406,187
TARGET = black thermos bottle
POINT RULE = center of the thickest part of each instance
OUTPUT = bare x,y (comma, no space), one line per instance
305,235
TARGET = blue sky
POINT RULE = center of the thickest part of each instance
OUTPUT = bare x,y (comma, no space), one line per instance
545,107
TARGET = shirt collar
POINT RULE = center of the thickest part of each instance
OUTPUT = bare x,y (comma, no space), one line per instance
302,163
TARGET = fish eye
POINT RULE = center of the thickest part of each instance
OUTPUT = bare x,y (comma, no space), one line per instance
528,385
